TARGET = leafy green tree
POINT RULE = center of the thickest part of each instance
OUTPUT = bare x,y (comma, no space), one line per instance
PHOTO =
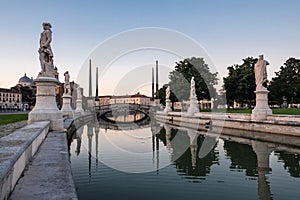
240,83
204,79
286,83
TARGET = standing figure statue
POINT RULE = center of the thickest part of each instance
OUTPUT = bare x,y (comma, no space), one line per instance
260,70
67,83
79,95
193,91
45,51
168,93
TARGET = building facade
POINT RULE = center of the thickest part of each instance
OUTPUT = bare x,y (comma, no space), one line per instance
127,99
10,100
131,99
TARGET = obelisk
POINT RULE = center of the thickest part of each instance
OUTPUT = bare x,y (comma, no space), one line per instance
90,78
97,89
152,84
156,78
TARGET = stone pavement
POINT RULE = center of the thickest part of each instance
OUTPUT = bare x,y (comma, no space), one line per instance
48,175
9,128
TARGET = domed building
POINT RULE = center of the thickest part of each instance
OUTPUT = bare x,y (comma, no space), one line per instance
26,81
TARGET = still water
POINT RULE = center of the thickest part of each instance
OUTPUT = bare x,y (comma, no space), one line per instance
162,162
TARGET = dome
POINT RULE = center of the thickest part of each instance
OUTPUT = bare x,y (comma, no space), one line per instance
25,81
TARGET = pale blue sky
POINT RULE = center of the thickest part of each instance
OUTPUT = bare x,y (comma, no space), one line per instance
228,30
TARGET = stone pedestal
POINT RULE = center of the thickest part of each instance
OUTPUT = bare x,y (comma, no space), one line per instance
79,109
262,109
66,107
168,106
194,108
45,108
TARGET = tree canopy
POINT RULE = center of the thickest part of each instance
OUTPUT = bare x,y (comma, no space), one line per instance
180,80
240,82
286,83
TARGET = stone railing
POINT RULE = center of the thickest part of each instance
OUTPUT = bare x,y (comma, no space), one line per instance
16,150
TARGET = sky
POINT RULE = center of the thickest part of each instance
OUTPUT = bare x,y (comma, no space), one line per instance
228,31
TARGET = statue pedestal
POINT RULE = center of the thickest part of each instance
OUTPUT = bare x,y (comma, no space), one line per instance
168,106
45,108
79,109
262,109
66,107
194,108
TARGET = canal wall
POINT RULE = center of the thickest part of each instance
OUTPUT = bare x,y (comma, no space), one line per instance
276,124
16,150
35,164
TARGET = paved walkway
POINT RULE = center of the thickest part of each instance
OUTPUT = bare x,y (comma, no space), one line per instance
9,128
49,175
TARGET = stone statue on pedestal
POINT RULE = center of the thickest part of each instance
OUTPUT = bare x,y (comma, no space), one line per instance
168,102
194,107
45,108
79,95
262,109
67,83
168,92
45,51
193,90
260,70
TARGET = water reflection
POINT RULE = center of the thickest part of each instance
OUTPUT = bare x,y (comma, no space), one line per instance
248,160
242,156
291,162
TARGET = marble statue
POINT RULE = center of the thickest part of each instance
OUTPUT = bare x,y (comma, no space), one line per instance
168,92
193,107
193,91
79,95
67,83
168,102
260,70
45,51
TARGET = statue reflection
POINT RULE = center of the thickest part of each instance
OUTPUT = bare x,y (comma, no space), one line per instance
97,130
90,137
78,137
263,151
193,146
155,130
186,159
254,158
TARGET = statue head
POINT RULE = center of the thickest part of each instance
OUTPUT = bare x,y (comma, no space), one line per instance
261,57
46,25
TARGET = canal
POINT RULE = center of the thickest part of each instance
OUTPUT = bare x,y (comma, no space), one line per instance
163,162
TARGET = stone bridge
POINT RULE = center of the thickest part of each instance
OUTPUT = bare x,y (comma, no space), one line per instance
116,110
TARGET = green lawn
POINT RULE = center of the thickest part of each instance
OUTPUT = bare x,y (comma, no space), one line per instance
284,111
11,118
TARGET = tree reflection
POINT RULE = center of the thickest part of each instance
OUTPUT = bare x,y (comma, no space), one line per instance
291,163
184,163
242,156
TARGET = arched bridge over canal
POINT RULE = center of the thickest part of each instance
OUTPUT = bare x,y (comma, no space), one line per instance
112,112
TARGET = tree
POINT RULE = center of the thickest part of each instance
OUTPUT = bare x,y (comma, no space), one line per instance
28,96
286,83
204,79
240,83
